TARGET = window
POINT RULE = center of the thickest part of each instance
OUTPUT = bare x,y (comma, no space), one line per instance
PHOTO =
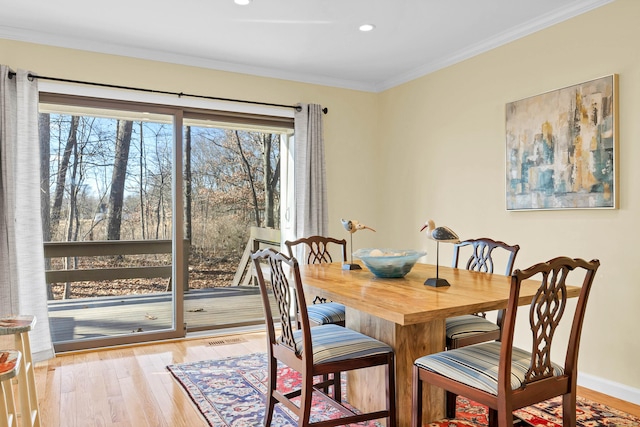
111,191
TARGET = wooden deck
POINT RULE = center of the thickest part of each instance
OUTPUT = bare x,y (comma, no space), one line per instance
213,308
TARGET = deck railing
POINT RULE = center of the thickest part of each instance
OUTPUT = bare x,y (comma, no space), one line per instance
111,247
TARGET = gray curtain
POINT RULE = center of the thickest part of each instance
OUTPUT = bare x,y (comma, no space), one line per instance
311,214
22,282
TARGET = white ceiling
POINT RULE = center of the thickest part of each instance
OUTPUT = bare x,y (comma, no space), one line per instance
314,41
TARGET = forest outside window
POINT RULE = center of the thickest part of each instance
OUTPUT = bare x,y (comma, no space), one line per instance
107,176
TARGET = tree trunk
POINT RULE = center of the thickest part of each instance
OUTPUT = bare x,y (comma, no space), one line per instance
247,166
62,172
142,221
116,197
267,178
187,181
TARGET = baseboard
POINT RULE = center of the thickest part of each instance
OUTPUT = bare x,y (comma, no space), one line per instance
610,388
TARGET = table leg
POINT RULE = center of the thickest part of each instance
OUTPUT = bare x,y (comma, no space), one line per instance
409,343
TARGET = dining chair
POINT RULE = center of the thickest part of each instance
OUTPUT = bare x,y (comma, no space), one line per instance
476,328
317,250
504,377
314,352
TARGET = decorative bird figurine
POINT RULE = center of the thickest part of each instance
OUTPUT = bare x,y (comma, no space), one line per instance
441,234
353,225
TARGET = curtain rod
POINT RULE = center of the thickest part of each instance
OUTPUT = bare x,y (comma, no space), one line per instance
163,92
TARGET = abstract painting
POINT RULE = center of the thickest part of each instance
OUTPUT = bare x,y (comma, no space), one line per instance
561,148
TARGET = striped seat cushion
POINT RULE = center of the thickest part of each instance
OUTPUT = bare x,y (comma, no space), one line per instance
461,326
332,343
477,365
327,312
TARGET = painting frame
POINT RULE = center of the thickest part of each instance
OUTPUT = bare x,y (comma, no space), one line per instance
562,148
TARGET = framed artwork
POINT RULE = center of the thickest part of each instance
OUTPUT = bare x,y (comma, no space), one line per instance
561,148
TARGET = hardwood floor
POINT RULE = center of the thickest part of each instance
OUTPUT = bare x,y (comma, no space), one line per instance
130,386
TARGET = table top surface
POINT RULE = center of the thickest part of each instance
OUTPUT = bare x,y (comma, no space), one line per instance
408,300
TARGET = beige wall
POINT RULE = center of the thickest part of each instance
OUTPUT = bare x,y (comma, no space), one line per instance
348,126
443,141
434,148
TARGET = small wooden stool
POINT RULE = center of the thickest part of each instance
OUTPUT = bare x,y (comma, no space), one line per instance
9,368
20,326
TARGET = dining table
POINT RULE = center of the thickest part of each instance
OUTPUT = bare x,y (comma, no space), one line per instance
410,317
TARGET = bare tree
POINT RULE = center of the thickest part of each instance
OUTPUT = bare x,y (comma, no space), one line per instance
187,181
116,197
251,183
271,175
141,187
62,172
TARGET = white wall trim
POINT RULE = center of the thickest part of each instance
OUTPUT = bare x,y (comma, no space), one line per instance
610,388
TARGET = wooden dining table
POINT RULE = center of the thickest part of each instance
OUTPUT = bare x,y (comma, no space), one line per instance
410,317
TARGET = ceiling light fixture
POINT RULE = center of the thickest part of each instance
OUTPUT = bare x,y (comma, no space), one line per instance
242,2
366,27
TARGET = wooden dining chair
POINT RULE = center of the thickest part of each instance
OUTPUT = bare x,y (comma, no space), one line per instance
504,377
317,250
476,328
314,352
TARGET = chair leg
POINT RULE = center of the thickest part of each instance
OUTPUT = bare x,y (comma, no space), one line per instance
504,418
272,383
305,402
569,409
8,417
493,418
451,405
416,398
391,391
337,387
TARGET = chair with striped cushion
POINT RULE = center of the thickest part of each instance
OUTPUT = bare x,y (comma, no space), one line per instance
324,350
317,250
475,328
504,377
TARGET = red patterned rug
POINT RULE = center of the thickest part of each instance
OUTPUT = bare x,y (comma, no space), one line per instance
230,392
545,414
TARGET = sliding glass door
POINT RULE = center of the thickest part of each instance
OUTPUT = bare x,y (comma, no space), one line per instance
232,205
150,214
113,242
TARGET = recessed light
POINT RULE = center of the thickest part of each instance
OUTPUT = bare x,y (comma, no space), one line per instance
366,27
242,2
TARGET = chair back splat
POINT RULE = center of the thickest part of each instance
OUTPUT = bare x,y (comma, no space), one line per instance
481,258
504,377
468,329
317,250
545,312
319,354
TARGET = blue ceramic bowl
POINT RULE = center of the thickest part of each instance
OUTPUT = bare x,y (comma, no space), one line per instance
389,263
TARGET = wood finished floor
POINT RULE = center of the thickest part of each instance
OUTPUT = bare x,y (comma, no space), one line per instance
130,386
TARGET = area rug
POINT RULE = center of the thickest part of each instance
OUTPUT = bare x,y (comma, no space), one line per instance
545,414
231,393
